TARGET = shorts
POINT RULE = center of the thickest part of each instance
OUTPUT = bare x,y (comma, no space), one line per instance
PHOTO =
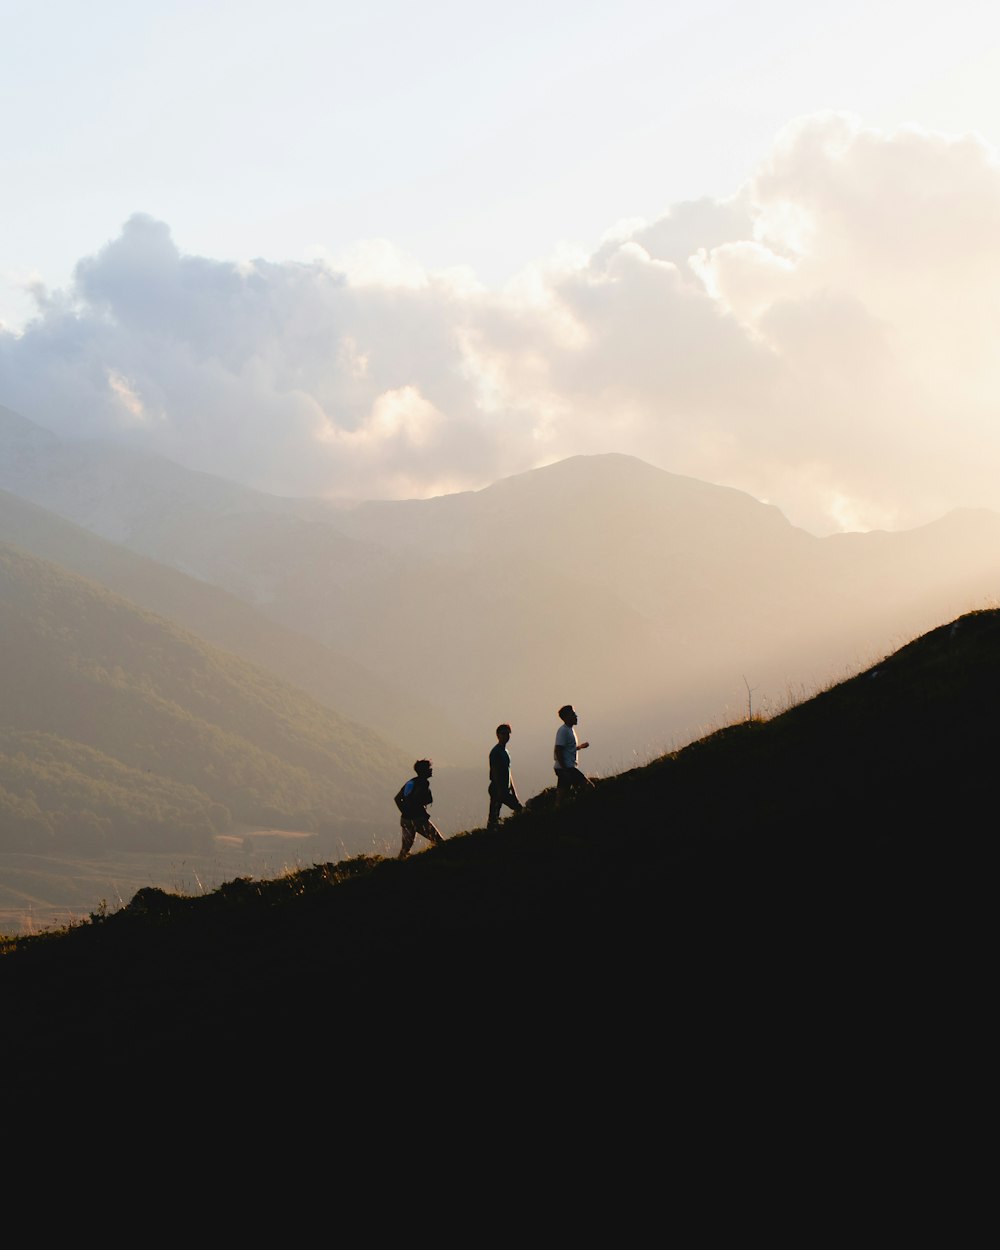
569,778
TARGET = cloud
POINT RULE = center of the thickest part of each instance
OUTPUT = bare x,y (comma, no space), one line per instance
824,339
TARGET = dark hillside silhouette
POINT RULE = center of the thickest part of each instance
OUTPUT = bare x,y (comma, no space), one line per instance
798,869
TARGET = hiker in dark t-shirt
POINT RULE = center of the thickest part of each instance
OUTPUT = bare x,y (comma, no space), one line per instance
413,800
502,792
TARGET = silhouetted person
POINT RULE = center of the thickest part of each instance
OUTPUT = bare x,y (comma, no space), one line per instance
413,800
502,792
568,776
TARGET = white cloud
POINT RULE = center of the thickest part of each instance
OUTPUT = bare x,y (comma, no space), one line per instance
378,262
824,339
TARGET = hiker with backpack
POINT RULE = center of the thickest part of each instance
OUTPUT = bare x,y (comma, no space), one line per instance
413,800
502,792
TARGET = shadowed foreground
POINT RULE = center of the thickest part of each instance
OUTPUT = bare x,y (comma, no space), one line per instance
810,870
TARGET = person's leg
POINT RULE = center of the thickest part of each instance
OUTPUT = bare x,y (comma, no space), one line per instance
570,781
407,829
431,832
494,817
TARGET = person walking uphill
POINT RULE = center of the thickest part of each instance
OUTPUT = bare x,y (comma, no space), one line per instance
413,800
502,792
568,776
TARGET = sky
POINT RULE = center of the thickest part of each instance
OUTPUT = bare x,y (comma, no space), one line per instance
396,250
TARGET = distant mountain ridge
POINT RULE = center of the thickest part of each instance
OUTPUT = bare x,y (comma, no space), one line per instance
656,603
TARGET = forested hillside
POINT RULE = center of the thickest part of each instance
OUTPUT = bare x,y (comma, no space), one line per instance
119,728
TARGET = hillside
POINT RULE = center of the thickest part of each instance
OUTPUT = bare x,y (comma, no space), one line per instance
226,621
118,729
780,865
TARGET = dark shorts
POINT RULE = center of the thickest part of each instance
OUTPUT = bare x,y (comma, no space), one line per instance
569,778
412,825
501,798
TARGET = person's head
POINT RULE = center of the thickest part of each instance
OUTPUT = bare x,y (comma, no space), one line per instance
422,768
503,732
568,715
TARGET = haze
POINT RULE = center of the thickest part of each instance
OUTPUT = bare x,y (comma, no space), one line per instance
399,252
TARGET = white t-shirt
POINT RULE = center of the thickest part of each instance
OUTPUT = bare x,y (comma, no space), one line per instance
566,738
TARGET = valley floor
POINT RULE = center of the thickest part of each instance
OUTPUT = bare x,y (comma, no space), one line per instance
42,892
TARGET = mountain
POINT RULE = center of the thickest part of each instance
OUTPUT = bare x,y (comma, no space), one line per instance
226,621
707,566
120,729
810,872
658,604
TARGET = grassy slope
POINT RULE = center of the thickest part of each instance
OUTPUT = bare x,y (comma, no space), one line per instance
769,863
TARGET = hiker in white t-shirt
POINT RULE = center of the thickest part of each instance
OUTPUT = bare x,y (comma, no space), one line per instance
568,776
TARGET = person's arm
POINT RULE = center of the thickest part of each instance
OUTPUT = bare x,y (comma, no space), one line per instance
399,798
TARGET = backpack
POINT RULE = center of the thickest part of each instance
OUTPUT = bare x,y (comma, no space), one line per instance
409,802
